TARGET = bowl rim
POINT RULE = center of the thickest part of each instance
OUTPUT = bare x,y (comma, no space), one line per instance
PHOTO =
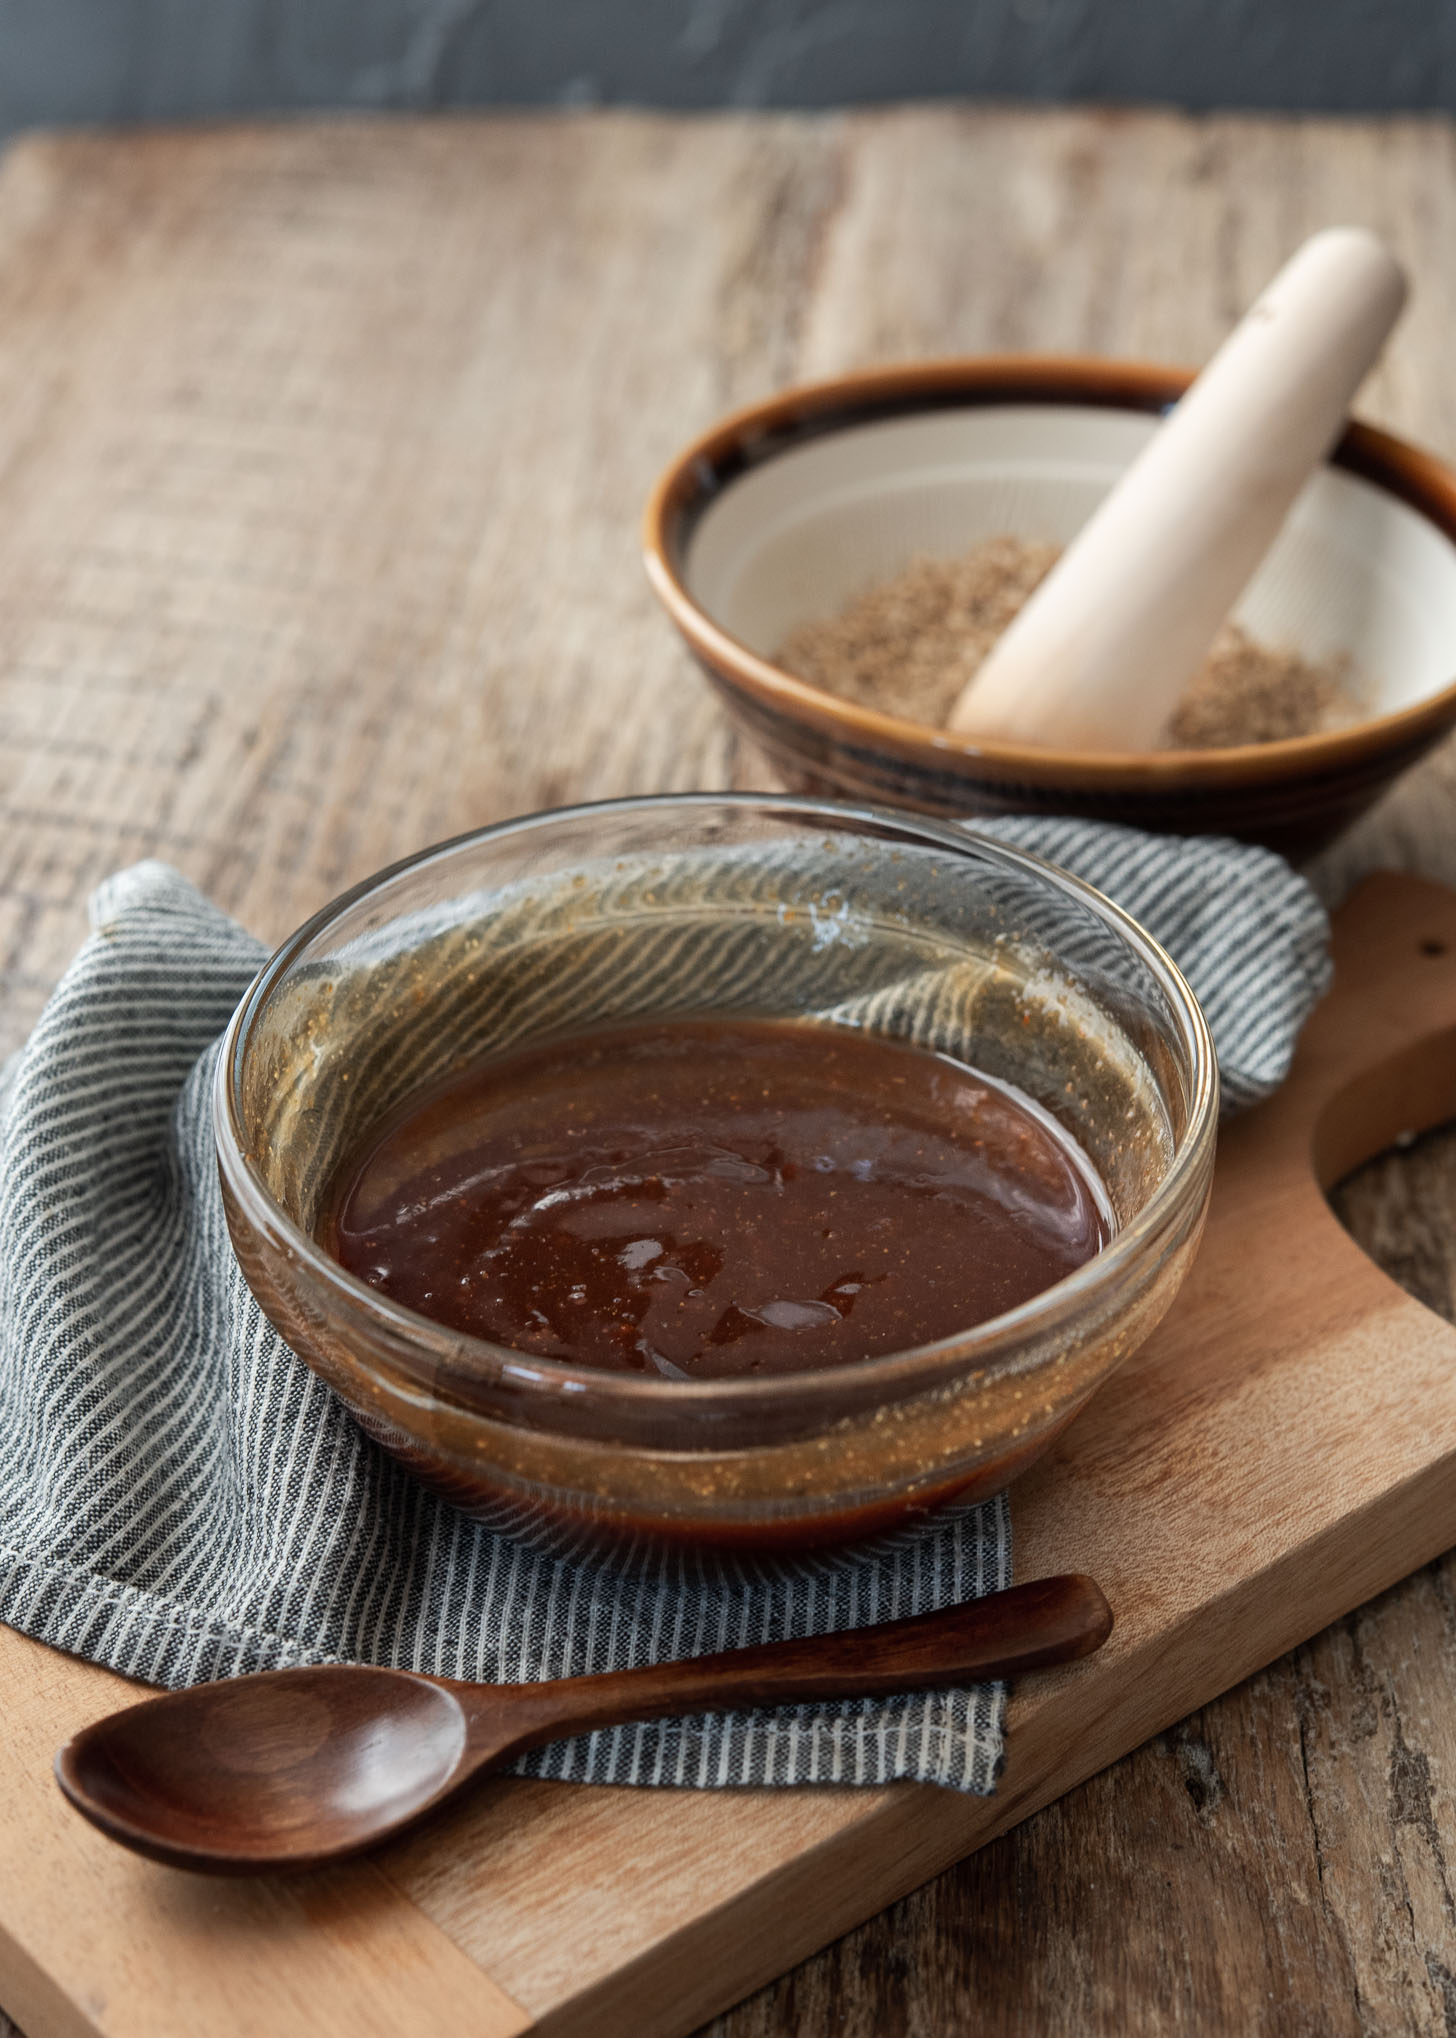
756,433
975,1349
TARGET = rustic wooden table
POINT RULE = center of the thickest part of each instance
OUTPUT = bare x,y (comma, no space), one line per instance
321,453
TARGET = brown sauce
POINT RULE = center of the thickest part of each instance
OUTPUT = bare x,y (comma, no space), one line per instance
697,1198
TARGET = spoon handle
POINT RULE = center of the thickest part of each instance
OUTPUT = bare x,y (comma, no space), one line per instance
1050,1620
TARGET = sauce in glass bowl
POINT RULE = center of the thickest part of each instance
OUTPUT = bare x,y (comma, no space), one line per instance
703,1198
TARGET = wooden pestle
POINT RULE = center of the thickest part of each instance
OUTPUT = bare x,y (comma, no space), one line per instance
1099,657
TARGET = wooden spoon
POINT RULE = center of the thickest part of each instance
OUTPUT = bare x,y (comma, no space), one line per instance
292,1767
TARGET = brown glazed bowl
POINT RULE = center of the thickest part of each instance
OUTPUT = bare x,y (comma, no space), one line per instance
780,907
785,510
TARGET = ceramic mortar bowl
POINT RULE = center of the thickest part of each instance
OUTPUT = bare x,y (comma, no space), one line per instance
781,908
783,512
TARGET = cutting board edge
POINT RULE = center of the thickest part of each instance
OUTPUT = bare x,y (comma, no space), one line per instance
34,1999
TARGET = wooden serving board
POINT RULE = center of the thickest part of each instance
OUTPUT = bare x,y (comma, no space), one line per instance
1283,1448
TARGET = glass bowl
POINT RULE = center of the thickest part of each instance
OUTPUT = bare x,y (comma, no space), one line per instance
720,904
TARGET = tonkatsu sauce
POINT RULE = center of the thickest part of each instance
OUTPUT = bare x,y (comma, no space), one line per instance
698,1198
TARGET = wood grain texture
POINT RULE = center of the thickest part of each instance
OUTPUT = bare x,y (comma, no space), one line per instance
321,452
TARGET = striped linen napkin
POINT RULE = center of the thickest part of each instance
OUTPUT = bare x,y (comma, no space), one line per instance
181,1498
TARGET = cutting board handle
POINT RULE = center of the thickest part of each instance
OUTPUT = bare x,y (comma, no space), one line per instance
1376,1065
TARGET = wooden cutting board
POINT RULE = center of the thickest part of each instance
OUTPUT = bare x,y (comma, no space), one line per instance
1283,1448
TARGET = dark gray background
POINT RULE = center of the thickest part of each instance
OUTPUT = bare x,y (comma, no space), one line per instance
107,60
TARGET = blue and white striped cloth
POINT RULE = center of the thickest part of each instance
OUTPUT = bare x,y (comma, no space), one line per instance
181,1498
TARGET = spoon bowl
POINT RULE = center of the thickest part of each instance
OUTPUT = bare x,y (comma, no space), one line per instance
294,1765
290,1768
